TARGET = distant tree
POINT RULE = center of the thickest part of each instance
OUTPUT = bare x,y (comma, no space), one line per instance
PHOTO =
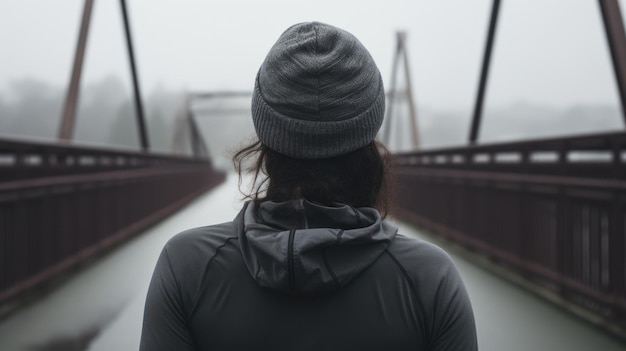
4,116
35,112
161,106
123,132
159,132
98,110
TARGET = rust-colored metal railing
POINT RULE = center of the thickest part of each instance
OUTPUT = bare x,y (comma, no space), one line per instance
61,204
553,211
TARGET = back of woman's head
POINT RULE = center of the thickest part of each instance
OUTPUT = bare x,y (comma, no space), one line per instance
359,178
317,105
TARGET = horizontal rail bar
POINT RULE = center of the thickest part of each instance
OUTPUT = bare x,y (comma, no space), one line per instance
76,179
600,156
31,144
582,142
22,160
606,184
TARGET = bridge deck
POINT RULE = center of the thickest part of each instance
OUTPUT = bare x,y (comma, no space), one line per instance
101,307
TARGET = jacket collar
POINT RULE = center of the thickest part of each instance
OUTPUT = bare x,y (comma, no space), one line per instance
304,247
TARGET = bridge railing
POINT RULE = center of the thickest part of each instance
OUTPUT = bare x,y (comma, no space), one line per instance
21,160
62,204
552,211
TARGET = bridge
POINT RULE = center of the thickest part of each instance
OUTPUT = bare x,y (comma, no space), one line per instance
537,227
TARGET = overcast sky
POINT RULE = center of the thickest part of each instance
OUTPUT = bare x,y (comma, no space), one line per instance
551,52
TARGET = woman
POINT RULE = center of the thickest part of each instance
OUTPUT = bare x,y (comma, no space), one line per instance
309,263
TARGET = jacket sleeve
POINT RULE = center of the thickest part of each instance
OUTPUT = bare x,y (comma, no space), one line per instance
165,322
445,309
454,327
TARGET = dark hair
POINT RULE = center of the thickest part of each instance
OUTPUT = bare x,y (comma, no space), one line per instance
359,179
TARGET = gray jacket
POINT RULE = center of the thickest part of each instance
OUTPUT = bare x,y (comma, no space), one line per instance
301,276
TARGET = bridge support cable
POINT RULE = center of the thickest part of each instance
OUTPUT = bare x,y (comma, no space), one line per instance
401,54
482,85
141,122
616,37
198,145
66,129
186,131
181,132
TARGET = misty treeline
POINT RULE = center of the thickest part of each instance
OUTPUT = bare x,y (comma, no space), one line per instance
106,116
518,121
32,109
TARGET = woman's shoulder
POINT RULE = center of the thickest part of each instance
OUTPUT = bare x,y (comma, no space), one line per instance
425,264
413,250
191,246
205,236
436,282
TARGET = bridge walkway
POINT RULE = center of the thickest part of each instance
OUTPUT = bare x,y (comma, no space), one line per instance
100,308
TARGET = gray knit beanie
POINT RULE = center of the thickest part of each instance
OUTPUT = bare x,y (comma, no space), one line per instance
318,94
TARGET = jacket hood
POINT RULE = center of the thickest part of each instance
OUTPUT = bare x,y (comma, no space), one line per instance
303,248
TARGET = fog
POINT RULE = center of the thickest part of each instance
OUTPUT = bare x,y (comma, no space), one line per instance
551,75
551,72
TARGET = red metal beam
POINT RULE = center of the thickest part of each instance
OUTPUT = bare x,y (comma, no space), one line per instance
393,90
66,129
401,53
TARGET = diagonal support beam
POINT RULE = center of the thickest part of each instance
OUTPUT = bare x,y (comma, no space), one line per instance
66,129
401,54
198,146
392,95
614,27
482,85
409,91
141,121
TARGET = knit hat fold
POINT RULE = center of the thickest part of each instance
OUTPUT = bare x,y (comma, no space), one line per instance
318,94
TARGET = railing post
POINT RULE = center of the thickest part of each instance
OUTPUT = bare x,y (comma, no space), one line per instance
617,241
